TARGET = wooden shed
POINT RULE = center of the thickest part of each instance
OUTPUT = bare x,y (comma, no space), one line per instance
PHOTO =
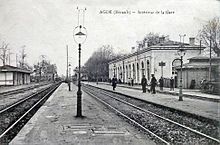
12,76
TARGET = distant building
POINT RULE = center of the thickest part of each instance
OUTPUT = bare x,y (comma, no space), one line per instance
146,61
11,76
84,74
198,69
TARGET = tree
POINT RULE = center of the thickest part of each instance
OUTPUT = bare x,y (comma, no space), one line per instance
151,39
44,70
97,64
4,50
23,55
211,32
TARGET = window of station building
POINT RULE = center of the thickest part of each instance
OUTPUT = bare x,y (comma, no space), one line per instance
126,71
174,72
129,70
142,68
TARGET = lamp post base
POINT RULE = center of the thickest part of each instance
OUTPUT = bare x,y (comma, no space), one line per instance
69,85
79,104
181,93
180,98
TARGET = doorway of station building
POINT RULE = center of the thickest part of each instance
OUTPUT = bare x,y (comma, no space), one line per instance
23,79
134,76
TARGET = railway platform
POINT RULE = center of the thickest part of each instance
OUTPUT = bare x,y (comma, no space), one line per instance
189,93
200,107
55,124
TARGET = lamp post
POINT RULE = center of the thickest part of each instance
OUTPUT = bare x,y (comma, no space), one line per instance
79,35
181,52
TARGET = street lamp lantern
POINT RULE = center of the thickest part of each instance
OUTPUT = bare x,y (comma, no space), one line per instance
181,52
79,35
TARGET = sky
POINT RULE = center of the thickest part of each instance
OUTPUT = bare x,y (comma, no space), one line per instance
45,27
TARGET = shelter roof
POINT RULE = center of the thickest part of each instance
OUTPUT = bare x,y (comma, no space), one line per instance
9,68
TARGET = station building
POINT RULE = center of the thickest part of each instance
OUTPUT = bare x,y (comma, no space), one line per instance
84,74
147,60
11,76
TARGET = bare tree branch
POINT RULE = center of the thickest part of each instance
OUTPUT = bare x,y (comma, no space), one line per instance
211,32
3,54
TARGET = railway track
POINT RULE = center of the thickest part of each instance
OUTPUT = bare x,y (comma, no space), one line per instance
163,129
21,90
14,117
15,96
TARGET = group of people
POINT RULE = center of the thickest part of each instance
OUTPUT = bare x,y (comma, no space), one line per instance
153,84
161,83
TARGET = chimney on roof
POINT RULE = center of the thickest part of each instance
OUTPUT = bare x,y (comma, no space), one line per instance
133,49
146,44
192,41
161,39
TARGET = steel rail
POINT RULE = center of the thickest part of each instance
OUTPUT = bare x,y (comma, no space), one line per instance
161,117
128,118
14,91
29,110
6,93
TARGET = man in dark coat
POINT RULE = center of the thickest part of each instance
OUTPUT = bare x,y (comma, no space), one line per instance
161,83
114,83
144,83
153,83
171,84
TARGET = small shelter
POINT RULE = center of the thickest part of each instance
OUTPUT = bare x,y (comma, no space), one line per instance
11,76
197,70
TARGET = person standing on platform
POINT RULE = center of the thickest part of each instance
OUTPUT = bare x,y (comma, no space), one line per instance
171,84
161,83
144,84
114,82
132,82
153,83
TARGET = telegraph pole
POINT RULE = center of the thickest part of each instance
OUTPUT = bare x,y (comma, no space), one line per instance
16,60
210,59
9,58
181,52
67,63
67,69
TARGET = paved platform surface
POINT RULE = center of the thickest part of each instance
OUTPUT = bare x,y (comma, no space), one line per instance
55,124
208,109
190,93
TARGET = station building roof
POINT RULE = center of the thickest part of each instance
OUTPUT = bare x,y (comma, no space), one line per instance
9,68
165,45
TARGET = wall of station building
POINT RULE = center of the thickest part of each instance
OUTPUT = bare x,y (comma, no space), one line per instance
147,63
14,78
